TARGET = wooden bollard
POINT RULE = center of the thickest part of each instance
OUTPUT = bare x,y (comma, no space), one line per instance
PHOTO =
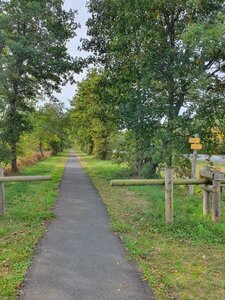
206,194
217,179
193,170
169,196
1,193
216,199
216,202
206,202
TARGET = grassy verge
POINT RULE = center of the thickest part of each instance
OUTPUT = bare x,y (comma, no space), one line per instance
184,261
28,208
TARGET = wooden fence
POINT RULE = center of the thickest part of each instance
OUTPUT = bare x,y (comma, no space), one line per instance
16,179
211,181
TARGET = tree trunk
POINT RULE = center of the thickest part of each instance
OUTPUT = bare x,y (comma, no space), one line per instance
139,163
170,160
41,150
153,169
138,167
13,126
14,158
168,152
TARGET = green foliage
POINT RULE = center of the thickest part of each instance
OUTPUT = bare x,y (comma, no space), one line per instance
149,170
50,127
163,62
91,118
139,157
182,167
33,60
27,145
122,148
4,153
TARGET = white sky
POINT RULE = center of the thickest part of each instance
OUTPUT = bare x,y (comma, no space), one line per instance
79,5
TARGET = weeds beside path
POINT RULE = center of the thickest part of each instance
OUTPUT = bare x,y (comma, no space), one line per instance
28,208
184,261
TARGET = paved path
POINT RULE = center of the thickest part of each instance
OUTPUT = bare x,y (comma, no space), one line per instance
79,258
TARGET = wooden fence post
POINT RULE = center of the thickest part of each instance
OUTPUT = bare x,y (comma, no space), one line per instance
1,193
193,170
169,195
216,199
206,202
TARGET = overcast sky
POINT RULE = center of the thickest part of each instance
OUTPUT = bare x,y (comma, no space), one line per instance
79,5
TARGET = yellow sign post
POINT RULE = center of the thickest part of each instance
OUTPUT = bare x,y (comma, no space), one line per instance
194,140
195,145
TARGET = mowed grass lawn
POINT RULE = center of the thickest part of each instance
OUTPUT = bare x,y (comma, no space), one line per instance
28,208
182,261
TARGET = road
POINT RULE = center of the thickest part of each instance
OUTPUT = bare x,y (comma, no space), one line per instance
213,158
79,258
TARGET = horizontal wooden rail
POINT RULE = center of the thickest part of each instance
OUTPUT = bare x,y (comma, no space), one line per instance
25,178
211,181
139,182
16,179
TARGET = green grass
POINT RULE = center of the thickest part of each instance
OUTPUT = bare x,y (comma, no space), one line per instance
182,261
28,209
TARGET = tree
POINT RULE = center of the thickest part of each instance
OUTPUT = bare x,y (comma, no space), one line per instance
170,56
50,127
33,60
91,118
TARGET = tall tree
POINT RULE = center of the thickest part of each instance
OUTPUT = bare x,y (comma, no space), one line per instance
177,50
33,59
91,118
50,126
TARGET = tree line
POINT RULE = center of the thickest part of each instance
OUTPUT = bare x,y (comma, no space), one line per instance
155,77
158,78
34,62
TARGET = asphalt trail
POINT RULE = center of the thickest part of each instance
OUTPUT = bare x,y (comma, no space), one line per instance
79,258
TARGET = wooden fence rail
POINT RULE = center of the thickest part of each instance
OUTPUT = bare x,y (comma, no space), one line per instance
210,181
25,178
139,182
16,179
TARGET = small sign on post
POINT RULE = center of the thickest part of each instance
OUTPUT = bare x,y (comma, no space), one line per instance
196,146
194,140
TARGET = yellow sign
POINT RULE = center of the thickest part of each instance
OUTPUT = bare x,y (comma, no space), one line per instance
194,140
196,146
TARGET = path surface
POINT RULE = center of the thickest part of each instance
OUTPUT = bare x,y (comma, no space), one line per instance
79,258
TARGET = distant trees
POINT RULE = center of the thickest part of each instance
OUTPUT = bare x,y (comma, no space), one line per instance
49,131
91,118
33,61
158,78
164,63
50,127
